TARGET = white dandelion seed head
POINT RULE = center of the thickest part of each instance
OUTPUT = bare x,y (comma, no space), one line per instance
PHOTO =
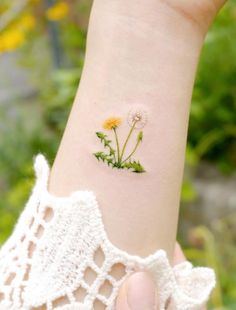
138,115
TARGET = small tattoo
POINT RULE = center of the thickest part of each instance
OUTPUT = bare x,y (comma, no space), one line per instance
115,156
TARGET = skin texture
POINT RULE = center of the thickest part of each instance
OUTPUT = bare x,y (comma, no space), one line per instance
138,52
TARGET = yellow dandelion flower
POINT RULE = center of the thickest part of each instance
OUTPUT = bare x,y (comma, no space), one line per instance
2,49
112,122
57,11
11,39
27,22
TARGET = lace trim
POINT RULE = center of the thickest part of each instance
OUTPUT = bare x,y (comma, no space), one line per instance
59,252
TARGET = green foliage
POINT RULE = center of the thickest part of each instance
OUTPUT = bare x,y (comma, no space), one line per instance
16,198
212,128
215,246
188,193
135,165
57,96
107,144
104,157
21,139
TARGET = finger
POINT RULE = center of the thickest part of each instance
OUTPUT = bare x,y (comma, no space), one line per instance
137,293
121,302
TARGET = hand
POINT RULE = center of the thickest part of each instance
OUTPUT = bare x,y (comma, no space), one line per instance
139,292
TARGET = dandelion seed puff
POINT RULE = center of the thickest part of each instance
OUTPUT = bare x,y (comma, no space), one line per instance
138,116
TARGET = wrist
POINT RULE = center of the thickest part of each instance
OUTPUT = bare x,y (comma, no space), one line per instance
138,56
155,21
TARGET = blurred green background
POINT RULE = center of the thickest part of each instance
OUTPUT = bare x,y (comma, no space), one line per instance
42,45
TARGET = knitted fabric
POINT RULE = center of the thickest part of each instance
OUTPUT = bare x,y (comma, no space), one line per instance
59,242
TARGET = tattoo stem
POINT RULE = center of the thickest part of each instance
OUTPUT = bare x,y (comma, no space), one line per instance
134,150
117,145
127,139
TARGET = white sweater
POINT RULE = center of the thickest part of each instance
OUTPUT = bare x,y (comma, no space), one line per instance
65,247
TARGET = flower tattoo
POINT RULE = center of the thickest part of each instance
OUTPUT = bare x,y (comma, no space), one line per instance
115,156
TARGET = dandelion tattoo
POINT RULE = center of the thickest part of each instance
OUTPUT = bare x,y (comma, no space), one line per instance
115,157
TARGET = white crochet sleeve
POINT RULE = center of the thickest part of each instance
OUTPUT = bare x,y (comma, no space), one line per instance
58,241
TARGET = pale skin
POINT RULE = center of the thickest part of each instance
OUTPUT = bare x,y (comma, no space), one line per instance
138,52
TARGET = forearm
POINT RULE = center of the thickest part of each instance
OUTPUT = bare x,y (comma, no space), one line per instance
137,53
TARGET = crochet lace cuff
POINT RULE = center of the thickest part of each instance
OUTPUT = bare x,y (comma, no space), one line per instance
58,241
